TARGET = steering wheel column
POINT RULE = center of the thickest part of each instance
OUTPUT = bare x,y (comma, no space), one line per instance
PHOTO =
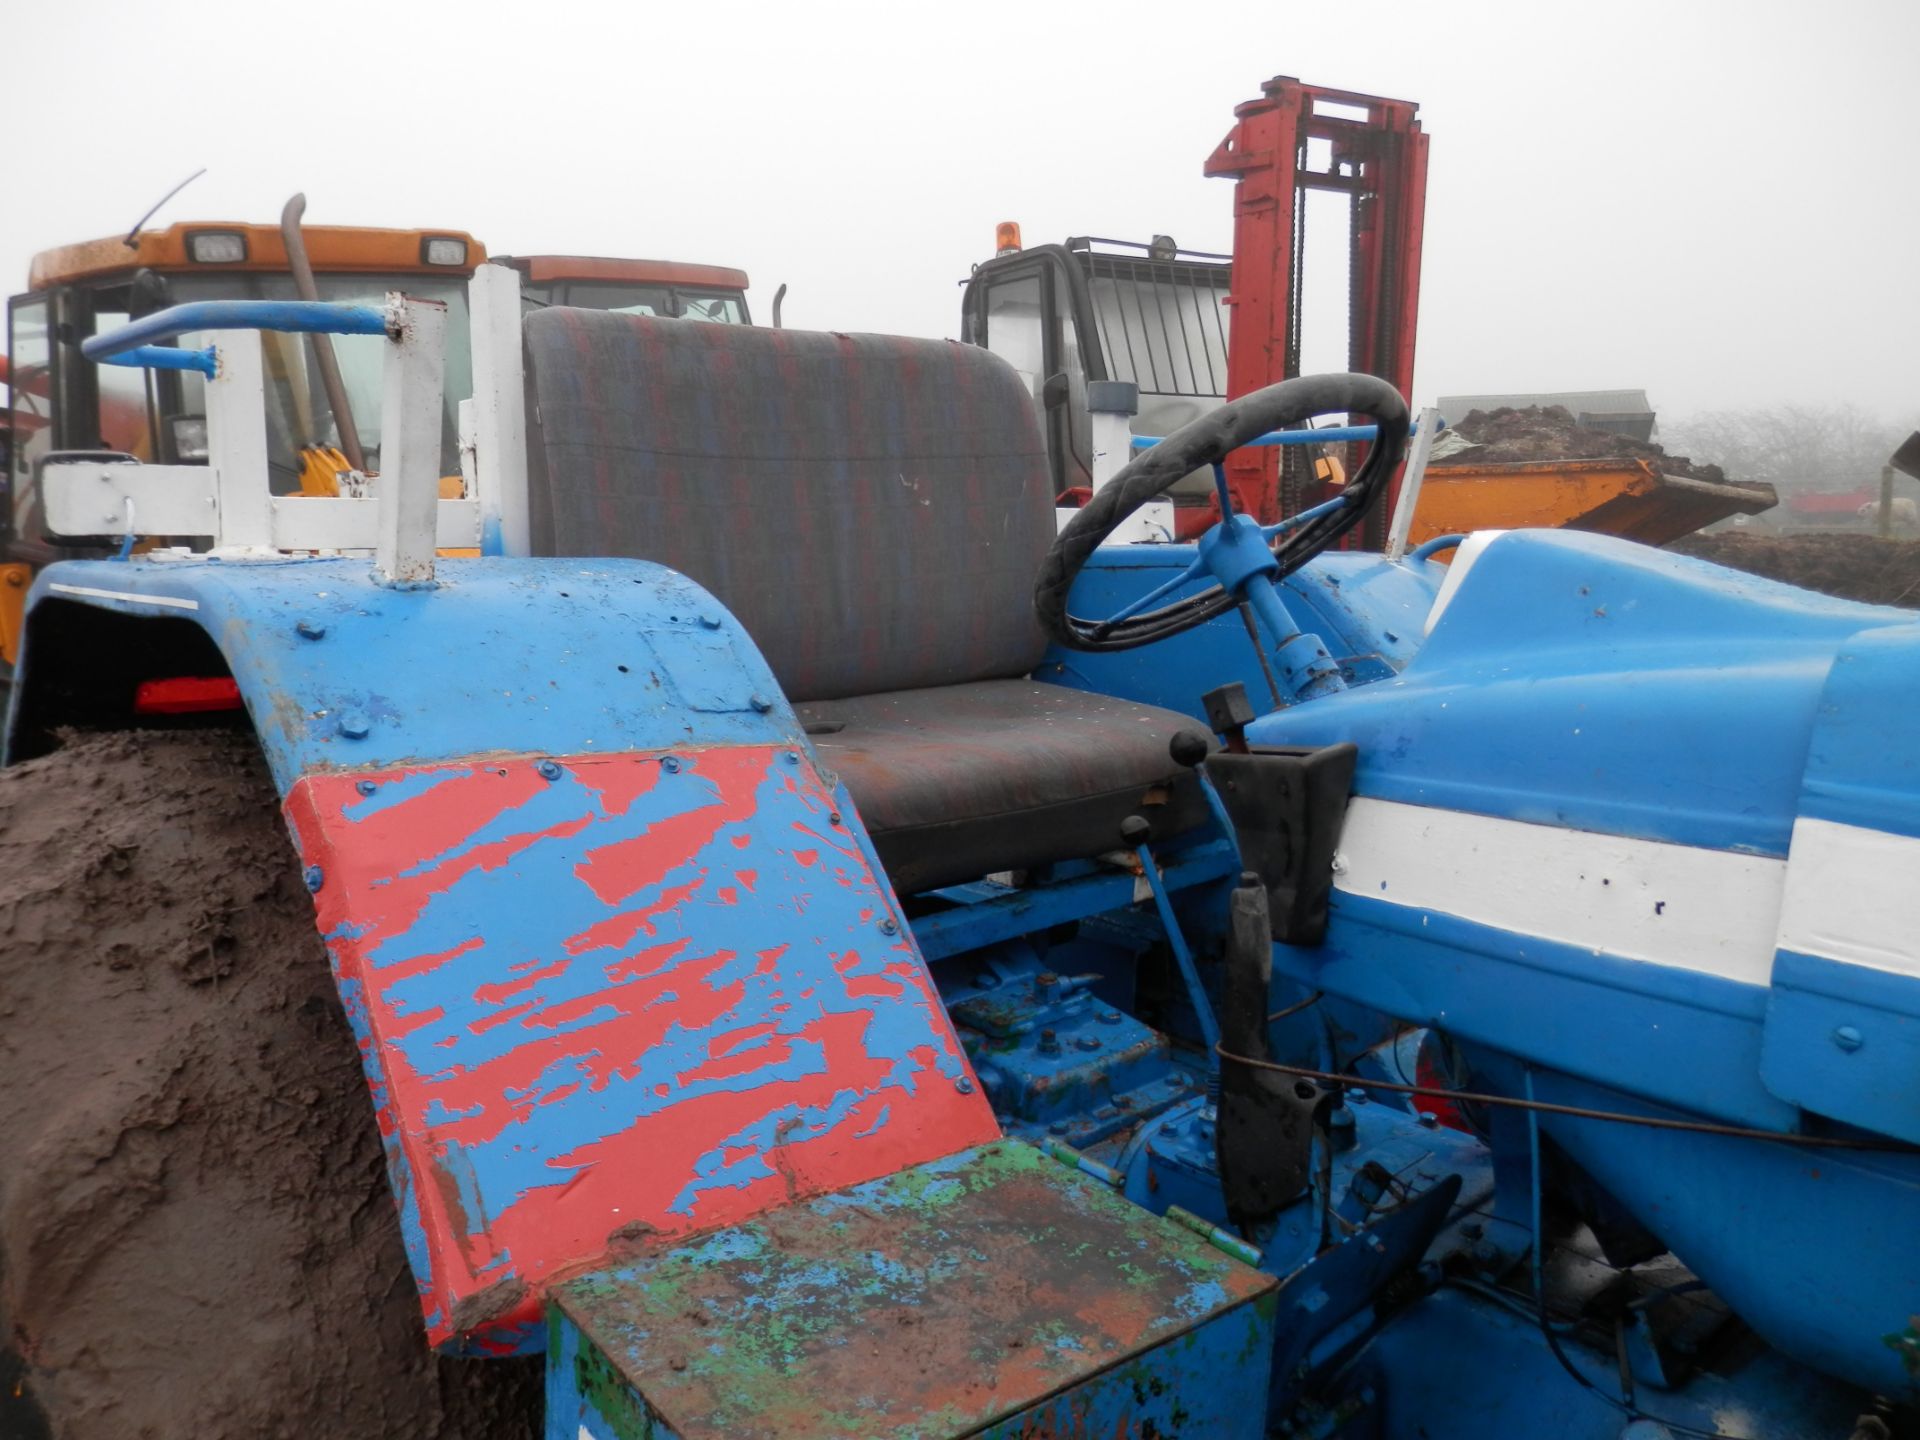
1242,558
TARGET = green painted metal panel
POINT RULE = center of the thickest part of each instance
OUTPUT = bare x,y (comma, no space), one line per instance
995,1292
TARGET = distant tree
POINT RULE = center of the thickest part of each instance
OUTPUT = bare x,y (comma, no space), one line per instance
1793,447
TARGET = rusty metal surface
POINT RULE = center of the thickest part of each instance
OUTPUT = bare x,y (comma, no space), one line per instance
993,1291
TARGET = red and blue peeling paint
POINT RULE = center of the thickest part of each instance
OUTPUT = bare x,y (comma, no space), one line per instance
610,996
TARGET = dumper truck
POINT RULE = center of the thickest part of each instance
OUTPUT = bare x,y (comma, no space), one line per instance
58,402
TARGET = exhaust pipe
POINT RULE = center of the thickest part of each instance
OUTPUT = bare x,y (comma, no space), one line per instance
323,356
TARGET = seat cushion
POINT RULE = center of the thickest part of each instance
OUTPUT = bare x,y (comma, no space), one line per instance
961,780
872,508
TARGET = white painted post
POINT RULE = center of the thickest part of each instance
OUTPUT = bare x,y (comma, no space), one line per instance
237,444
499,409
1111,406
1426,429
410,418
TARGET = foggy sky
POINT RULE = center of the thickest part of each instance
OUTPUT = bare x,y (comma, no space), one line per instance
1711,199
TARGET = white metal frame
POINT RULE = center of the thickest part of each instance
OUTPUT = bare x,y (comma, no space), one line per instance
499,411
228,501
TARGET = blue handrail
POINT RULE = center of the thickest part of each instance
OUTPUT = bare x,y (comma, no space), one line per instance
136,343
1295,437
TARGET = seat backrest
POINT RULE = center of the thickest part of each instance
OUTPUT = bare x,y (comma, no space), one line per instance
872,508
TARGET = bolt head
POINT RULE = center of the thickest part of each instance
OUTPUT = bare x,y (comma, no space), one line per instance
710,622
353,725
889,926
760,703
670,764
963,1085
1848,1038
366,787
792,757
311,630
315,878
548,769
833,817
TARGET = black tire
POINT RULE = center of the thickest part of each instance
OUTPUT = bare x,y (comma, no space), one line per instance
196,1232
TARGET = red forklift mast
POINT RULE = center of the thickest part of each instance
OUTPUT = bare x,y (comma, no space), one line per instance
1375,152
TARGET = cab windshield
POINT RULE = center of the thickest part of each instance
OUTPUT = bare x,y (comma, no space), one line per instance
719,307
297,410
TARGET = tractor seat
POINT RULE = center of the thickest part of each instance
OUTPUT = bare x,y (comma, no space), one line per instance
873,509
961,780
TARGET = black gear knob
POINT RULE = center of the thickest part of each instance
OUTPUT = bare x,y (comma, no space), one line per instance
1188,748
1135,830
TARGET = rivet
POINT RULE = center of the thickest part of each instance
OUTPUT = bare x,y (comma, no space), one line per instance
1848,1038
710,622
354,725
311,630
1088,1042
549,770
670,764
760,703
963,1085
889,926
793,757
366,787
1109,1017
833,817
1428,1120
315,878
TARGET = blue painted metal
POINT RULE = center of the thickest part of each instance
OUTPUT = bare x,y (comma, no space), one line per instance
1367,612
1590,682
583,657
161,357
295,316
1454,1367
986,916
1055,1056
1326,435
1843,1037
1183,957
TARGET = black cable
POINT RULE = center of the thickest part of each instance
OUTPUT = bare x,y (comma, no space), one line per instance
1580,1112
1294,1009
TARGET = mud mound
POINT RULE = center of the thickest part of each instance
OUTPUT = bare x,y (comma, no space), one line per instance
1854,567
1549,432
196,1235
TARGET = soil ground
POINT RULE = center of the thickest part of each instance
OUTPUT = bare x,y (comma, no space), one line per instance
196,1232
1512,435
1854,567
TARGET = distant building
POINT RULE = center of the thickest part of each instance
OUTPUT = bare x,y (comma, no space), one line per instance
1618,412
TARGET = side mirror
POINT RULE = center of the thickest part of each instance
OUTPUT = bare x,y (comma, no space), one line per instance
1053,394
149,292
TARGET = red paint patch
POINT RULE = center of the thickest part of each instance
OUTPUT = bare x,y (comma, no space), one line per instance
560,1046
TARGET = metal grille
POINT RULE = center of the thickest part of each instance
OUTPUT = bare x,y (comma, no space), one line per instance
1162,322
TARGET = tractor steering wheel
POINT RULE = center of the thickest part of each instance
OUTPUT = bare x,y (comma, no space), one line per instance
1238,553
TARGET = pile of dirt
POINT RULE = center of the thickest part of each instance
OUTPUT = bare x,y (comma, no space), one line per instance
1853,567
196,1232
1513,435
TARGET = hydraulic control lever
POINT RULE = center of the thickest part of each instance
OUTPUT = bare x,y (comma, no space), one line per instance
1263,1135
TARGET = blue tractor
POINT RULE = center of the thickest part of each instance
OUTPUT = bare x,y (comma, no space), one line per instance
835,952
